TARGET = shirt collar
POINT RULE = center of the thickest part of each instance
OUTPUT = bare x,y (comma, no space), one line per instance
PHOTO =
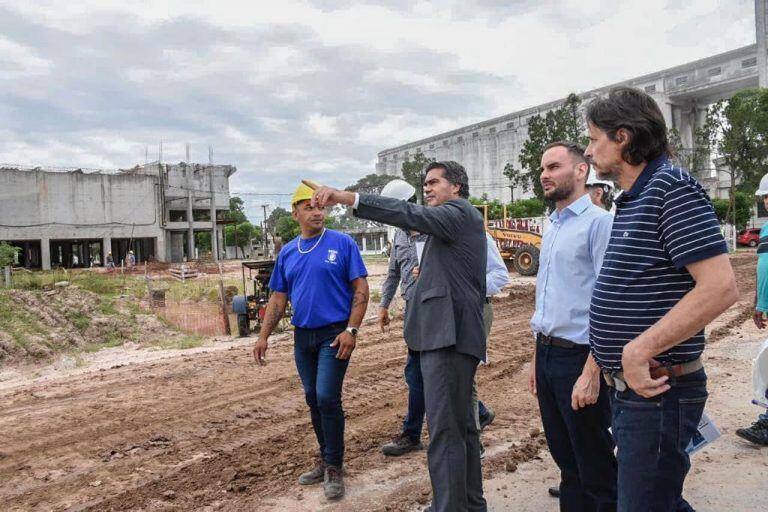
649,170
577,207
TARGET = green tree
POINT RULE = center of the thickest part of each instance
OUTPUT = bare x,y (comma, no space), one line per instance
736,130
371,183
236,211
694,158
7,254
743,208
563,123
522,208
495,208
287,228
413,172
240,235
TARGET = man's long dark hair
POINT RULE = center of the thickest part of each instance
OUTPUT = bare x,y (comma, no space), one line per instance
636,112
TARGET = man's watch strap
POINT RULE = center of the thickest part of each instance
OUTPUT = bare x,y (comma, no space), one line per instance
352,330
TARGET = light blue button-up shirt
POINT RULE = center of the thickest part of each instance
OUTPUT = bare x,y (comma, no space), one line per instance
572,252
496,274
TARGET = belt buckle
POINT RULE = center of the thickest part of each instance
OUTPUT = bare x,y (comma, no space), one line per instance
612,379
618,382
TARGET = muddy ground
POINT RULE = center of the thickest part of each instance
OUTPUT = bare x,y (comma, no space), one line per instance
208,430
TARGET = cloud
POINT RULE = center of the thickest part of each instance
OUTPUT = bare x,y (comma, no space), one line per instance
314,88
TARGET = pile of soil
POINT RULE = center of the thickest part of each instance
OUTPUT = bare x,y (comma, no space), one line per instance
37,324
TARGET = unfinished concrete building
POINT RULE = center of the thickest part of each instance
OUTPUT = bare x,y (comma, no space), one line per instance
73,218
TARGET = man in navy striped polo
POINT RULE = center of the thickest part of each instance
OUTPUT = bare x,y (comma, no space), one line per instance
665,276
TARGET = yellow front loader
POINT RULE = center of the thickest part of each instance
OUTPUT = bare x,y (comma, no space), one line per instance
518,240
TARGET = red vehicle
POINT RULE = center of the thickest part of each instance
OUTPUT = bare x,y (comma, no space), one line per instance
750,237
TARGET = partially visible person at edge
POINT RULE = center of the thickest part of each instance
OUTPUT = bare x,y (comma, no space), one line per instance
445,324
757,433
665,276
323,275
573,400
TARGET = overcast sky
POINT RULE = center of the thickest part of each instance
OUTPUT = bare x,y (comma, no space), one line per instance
286,90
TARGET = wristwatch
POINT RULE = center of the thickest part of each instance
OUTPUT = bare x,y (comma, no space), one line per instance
352,330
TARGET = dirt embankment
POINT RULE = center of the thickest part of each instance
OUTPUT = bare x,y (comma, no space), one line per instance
37,324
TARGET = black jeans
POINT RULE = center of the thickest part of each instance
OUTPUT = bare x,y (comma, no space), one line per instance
579,441
652,435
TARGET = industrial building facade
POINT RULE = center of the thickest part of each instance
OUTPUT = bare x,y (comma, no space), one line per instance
61,218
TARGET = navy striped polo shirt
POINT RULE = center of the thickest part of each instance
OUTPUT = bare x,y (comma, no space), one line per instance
663,223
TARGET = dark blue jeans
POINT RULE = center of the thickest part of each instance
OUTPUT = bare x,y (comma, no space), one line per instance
651,435
322,376
414,419
579,441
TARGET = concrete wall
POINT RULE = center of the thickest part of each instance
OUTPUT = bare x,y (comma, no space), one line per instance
38,204
682,92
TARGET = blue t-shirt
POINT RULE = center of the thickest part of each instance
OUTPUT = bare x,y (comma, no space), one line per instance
762,271
318,281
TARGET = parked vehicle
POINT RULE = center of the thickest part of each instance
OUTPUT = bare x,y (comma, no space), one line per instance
750,237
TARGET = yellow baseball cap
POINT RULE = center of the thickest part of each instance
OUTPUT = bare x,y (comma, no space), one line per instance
302,193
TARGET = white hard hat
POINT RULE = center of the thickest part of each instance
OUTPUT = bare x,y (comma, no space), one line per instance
592,179
763,188
760,374
398,189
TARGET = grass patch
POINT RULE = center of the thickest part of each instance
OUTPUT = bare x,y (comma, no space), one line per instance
107,307
79,319
184,342
18,323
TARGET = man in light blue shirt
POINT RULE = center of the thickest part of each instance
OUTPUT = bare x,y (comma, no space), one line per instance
572,397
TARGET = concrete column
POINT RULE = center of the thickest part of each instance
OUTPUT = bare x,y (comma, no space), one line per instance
160,247
364,247
45,253
761,31
106,243
666,110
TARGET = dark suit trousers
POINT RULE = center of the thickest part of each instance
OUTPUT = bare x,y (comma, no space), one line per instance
454,443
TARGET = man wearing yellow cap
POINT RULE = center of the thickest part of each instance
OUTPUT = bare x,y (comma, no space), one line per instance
322,273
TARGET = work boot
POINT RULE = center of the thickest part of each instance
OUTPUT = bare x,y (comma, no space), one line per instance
313,476
333,485
482,451
554,492
400,445
487,419
757,433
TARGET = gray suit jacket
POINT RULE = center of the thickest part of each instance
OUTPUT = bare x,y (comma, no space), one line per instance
447,304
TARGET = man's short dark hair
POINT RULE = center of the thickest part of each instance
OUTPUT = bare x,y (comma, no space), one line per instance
455,174
575,150
636,112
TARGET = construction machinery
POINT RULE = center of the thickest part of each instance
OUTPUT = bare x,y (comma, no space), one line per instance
250,309
518,239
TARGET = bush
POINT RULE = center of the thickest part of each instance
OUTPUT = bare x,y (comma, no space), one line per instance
744,204
522,208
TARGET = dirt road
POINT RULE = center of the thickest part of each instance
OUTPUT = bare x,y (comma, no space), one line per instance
211,431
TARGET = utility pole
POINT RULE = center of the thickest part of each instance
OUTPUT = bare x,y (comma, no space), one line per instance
190,214
264,230
214,231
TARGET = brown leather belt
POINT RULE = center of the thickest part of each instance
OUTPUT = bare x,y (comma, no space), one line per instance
615,378
556,342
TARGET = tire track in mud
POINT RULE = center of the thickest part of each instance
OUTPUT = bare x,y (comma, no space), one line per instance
213,429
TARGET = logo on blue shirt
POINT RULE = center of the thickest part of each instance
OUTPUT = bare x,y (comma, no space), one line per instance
332,256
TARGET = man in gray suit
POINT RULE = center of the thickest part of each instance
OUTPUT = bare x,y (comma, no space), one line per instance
445,324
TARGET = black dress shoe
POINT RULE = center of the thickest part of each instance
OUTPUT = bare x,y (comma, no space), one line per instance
554,492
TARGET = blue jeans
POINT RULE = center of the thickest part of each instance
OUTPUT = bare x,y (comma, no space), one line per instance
579,441
414,419
651,435
322,376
